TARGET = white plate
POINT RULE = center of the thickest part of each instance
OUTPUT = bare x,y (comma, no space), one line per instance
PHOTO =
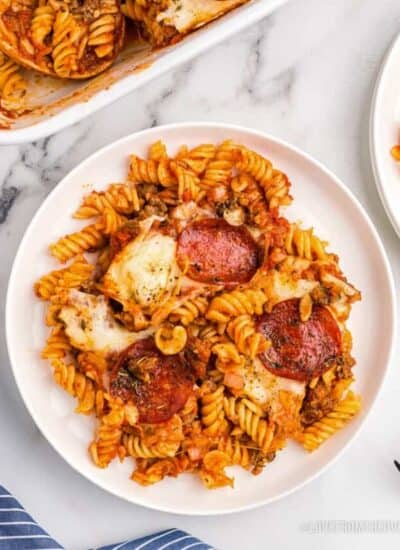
62,106
321,200
385,132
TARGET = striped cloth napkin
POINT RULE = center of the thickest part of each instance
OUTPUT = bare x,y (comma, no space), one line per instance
19,531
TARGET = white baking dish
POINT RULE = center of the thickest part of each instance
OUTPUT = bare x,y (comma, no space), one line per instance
58,106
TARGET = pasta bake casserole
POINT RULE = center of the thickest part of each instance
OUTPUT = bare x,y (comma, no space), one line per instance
78,39
200,326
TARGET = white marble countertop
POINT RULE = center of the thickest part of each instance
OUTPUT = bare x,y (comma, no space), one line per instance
306,75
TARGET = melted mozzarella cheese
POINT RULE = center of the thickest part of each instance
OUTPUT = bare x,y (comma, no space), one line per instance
91,327
263,387
281,287
189,14
145,271
188,212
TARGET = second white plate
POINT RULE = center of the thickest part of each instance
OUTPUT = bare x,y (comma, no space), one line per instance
385,132
321,200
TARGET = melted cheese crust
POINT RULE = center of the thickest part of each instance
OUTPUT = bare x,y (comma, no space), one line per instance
91,327
282,287
145,271
185,15
263,387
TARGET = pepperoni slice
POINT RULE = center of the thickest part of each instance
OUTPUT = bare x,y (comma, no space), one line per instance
218,252
158,385
299,350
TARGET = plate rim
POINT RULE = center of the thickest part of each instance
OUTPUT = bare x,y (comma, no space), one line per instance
373,122
385,265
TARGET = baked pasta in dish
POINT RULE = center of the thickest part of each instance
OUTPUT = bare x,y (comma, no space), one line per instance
78,39
65,38
205,329
163,21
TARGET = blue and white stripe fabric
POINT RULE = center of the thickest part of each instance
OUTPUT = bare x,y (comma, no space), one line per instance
19,531
172,539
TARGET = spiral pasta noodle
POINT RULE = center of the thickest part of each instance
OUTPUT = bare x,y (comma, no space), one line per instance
238,302
304,244
314,435
109,436
70,277
42,24
188,183
190,310
12,85
57,344
251,419
218,170
274,183
136,447
110,221
198,158
158,151
88,239
122,198
151,171
93,365
239,454
212,411
90,399
248,340
227,353
101,31
64,44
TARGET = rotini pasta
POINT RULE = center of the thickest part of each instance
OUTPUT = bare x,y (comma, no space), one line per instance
187,312
212,411
101,31
12,86
197,305
66,34
274,183
304,244
88,239
251,420
90,398
238,453
42,24
137,448
57,344
238,302
319,432
151,171
122,198
109,436
188,183
72,276
244,334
